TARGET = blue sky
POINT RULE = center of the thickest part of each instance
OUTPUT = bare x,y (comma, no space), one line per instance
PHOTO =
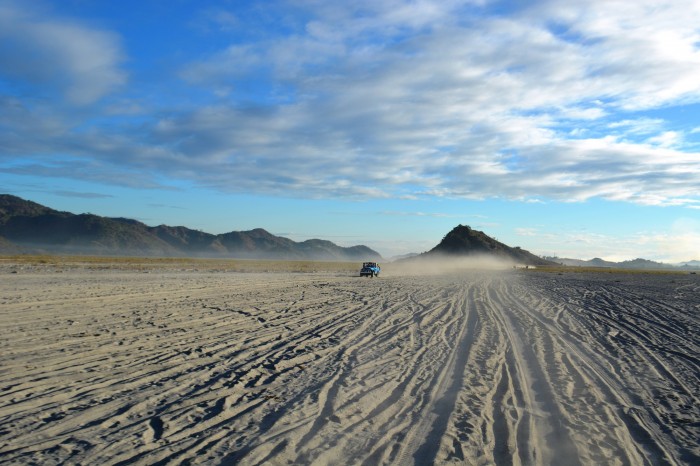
568,128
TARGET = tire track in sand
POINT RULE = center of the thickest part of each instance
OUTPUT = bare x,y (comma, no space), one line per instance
432,424
475,368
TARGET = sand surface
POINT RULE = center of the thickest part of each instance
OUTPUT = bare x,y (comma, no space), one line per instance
104,366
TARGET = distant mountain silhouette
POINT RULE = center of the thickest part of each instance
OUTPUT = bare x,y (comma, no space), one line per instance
26,226
635,264
464,241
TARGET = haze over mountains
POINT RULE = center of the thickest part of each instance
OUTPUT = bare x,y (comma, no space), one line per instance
28,227
634,264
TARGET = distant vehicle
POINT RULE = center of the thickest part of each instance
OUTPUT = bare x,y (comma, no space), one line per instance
369,269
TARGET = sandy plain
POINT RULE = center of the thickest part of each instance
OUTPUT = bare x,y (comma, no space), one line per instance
209,362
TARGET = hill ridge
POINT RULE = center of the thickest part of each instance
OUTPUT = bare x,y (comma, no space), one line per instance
26,226
462,240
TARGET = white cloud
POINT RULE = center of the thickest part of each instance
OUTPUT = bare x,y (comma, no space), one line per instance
666,139
643,54
638,126
589,113
79,61
469,89
526,232
423,214
406,100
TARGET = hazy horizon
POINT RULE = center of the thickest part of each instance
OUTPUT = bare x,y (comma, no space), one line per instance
434,263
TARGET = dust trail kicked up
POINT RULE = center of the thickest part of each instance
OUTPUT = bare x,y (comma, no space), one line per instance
482,367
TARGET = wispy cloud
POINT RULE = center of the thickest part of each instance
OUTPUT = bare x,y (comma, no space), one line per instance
526,231
420,214
387,99
82,195
167,206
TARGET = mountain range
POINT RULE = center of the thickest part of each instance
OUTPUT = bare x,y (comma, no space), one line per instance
635,264
28,227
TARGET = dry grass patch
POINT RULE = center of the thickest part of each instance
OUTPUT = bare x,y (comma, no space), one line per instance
611,270
179,263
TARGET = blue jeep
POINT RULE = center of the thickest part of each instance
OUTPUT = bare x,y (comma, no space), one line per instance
369,269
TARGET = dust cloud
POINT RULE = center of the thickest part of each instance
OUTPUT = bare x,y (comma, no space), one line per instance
447,265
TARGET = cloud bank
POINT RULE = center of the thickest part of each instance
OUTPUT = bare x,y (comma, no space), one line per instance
383,99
